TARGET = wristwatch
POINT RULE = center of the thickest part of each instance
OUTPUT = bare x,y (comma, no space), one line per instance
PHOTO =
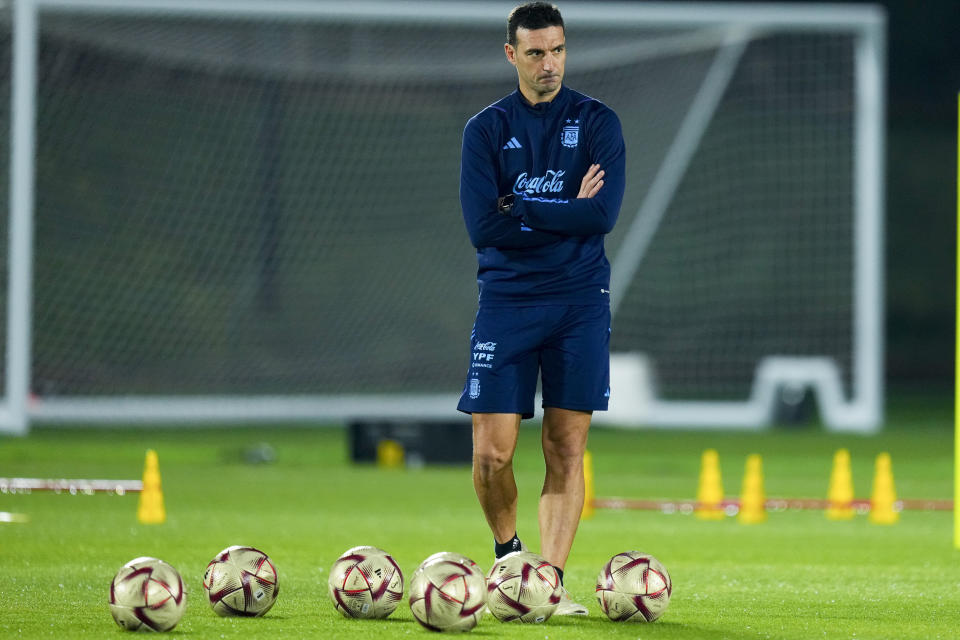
505,204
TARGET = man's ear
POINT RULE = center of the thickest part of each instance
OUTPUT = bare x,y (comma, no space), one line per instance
511,53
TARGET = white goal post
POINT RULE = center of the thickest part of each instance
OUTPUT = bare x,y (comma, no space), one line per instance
216,211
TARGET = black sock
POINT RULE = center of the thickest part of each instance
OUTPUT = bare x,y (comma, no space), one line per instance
501,549
559,573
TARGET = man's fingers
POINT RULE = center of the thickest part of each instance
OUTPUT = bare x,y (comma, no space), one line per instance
594,174
592,181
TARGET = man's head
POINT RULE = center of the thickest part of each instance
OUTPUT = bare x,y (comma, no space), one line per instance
536,46
532,16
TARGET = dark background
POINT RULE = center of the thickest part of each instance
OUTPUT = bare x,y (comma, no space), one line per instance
923,61
923,79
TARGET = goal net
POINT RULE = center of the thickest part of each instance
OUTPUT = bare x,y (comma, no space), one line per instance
238,210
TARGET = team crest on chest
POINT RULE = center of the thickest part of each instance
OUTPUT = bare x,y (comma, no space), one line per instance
570,135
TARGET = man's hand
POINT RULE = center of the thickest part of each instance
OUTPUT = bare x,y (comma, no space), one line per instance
591,182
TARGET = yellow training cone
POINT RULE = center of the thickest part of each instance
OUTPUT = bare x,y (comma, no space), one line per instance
884,495
390,454
753,498
840,493
150,509
589,492
710,488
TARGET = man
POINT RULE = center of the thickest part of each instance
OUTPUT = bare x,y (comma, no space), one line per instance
542,179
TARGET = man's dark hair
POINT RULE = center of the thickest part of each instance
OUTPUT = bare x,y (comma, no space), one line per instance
533,15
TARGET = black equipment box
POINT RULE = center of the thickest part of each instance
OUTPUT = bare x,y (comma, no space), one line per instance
423,442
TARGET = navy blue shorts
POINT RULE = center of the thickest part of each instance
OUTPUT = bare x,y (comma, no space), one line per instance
567,345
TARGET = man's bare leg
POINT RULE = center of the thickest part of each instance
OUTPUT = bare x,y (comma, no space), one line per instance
494,441
561,501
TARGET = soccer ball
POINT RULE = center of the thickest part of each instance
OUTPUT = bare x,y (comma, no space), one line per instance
523,586
365,582
147,594
448,593
447,556
241,581
633,587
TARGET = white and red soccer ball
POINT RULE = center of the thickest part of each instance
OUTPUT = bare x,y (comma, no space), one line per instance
365,582
241,581
450,556
523,586
633,587
147,594
448,592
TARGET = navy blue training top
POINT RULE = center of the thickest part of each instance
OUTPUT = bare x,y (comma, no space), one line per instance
550,249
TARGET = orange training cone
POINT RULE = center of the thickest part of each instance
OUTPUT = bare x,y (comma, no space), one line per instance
710,488
840,493
753,498
150,509
884,496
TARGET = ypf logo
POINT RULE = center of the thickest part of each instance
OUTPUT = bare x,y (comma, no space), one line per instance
483,355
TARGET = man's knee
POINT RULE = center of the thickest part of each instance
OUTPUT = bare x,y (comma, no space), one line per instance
564,457
494,441
490,461
565,440
564,450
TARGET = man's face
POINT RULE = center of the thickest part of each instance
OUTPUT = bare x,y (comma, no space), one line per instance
539,56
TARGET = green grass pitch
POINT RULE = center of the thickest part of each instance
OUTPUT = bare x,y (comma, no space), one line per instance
795,576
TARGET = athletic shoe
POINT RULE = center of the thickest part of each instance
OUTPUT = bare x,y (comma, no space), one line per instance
568,607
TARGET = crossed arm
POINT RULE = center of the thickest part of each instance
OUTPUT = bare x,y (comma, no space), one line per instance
595,209
534,221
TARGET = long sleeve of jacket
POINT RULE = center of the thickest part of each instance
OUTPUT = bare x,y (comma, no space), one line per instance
486,226
585,216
